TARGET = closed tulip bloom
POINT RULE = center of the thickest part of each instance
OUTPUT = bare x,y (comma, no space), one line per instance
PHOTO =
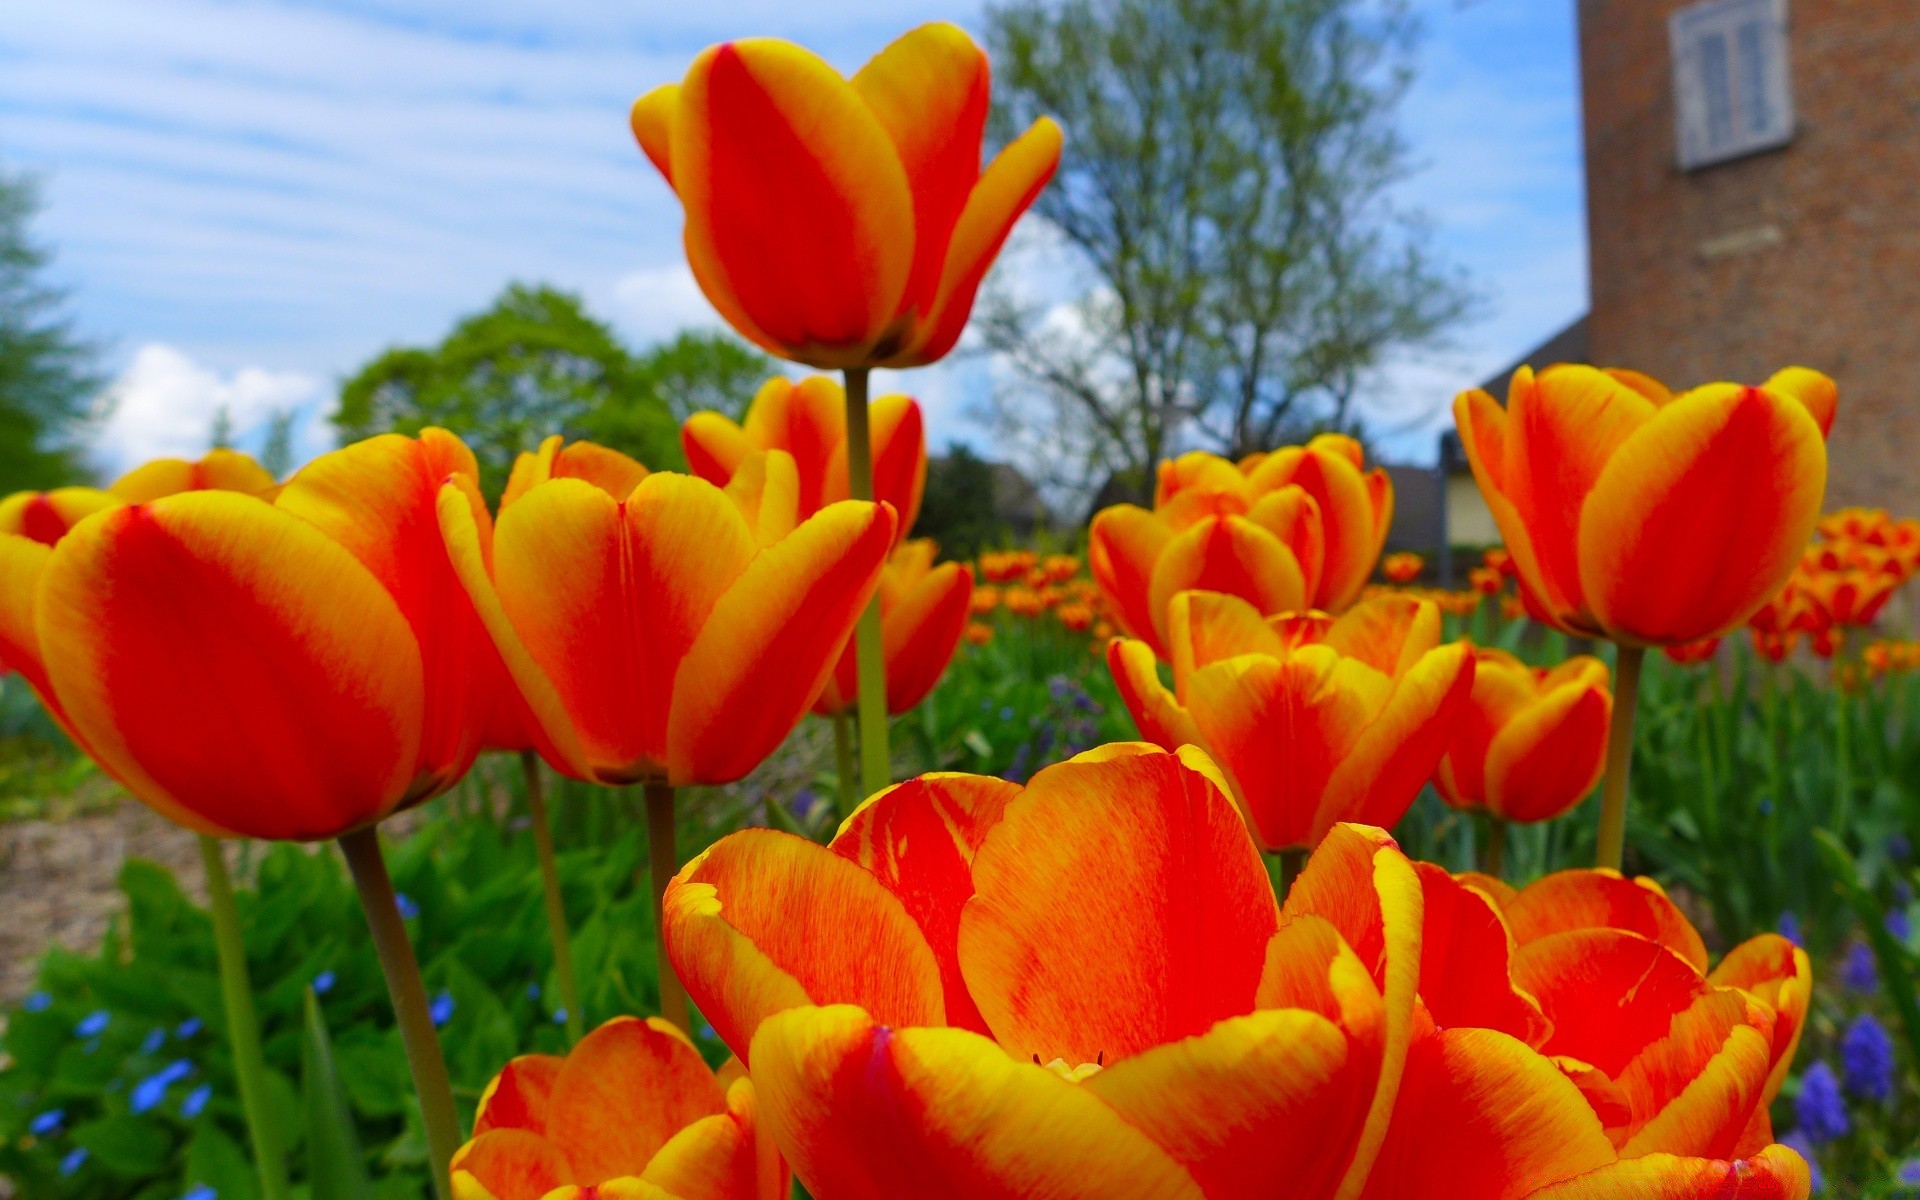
842,222
45,517
1644,519
1404,567
31,523
1530,743
609,470
923,611
1315,720
808,420
674,634
219,470
633,1102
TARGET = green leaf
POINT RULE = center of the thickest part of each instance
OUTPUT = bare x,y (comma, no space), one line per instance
126,1145
336,1168
216,1160
1896,968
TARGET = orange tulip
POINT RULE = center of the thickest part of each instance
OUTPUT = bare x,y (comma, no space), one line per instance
1486,581
609,470
1006,566
1531,742
632,1101
979,634
45,517
219,470
808,420
641,629
923,610
1689,654
985,600
1315,720
1644,519
1060,567
1404,567
836,222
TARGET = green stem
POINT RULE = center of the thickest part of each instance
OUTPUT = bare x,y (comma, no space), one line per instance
1843,749
1612,845
663,861
843,758
556,900
409,996
1495,859
243,1026
876,768
1283,868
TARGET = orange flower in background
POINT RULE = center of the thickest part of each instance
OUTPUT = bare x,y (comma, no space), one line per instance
45,517
923,610
1646,520
984,600
1531,742
1060,567
1007,566
1075,616
836,222
219,470
1404,567
1486,581
1850,597
632,1101
979,634
1689,654
1855,524
641,629
1314,720
1024,602
808,420
1496,558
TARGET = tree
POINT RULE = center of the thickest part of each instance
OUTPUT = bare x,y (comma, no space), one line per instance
533,364
960,508
1224,191
696,372
276,450
48,381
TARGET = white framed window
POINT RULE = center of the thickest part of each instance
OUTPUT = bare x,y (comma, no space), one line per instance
1732,87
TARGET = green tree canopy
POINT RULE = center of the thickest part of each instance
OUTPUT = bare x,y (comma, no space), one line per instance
534,363
48,382
697,372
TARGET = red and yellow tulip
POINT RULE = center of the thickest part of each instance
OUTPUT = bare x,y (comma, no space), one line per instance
45,517
637,627
1315,720
842,222
1404,567
923,611
218,470
1646,517
808,420
1531,742
633,1102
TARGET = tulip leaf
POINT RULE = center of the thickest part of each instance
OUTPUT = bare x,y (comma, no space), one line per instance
779,818
1896,966
336,1166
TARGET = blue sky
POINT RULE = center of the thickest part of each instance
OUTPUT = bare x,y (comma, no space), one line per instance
249,198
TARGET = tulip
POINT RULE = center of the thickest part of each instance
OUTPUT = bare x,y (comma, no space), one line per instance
219,470
1689,654
1007,566
609,470
641,629
836,222
1603,484
1529,744
632,1101
1403,568
1315,720
45,517
808,420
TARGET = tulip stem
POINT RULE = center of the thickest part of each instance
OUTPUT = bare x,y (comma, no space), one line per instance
1494,860
876,769
663,861
243,1025
843,758
1283,868
1612,848
556,900
409,996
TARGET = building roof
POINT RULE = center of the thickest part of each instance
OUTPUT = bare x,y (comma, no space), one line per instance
1567,346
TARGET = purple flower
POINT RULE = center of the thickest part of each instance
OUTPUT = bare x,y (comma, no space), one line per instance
47,1123
1790,929
37,1002
1908,1172
408,909
1866,1059
1898,925
1819,1106
1859,973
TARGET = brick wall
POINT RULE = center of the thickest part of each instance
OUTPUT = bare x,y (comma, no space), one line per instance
1808,254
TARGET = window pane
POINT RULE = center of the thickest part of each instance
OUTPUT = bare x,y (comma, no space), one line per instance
1751,45
1717,88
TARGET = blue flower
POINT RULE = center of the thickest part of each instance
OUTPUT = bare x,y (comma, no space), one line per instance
408,909
155,1040
93,1024
1898,925
1802,1145
1060,687
1790,928
559,1016
75,1159
1908,1172
1819,1106
47,1123
1859,973
803,802
195,1101
533,991
1006,714
37,1002
1866,1059
441,1010
201,1191
1899,847
323,983
149,1092
188,1028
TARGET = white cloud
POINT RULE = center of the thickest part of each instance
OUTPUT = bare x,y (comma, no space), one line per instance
165,405
654,303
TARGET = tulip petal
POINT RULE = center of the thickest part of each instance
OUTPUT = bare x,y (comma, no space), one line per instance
220,470
1381,772
920,632
799,214
1389,633
1716,496
1607,992
1777,1173
1817,392
714,445
1598,899
1346,516
652,121
1466,962
1205,627
510,1164
899,447
1168,929
1230,555
1006,189
721,1157
1293,516
21,562
796,602
520,1096
869,1113
1123,544
1485,435
1550,755
766,490
807,419
45,517
1778,974
765,921
1156,713
232,666
623,1091
1695,1089
918,839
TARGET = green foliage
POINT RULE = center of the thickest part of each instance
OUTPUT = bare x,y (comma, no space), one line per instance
959,510
701,372
47,375
533,364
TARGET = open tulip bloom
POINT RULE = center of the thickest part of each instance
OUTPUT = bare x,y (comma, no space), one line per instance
1315,720
1085,988
1646,517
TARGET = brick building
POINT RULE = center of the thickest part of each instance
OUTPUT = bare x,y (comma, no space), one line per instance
1753,200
